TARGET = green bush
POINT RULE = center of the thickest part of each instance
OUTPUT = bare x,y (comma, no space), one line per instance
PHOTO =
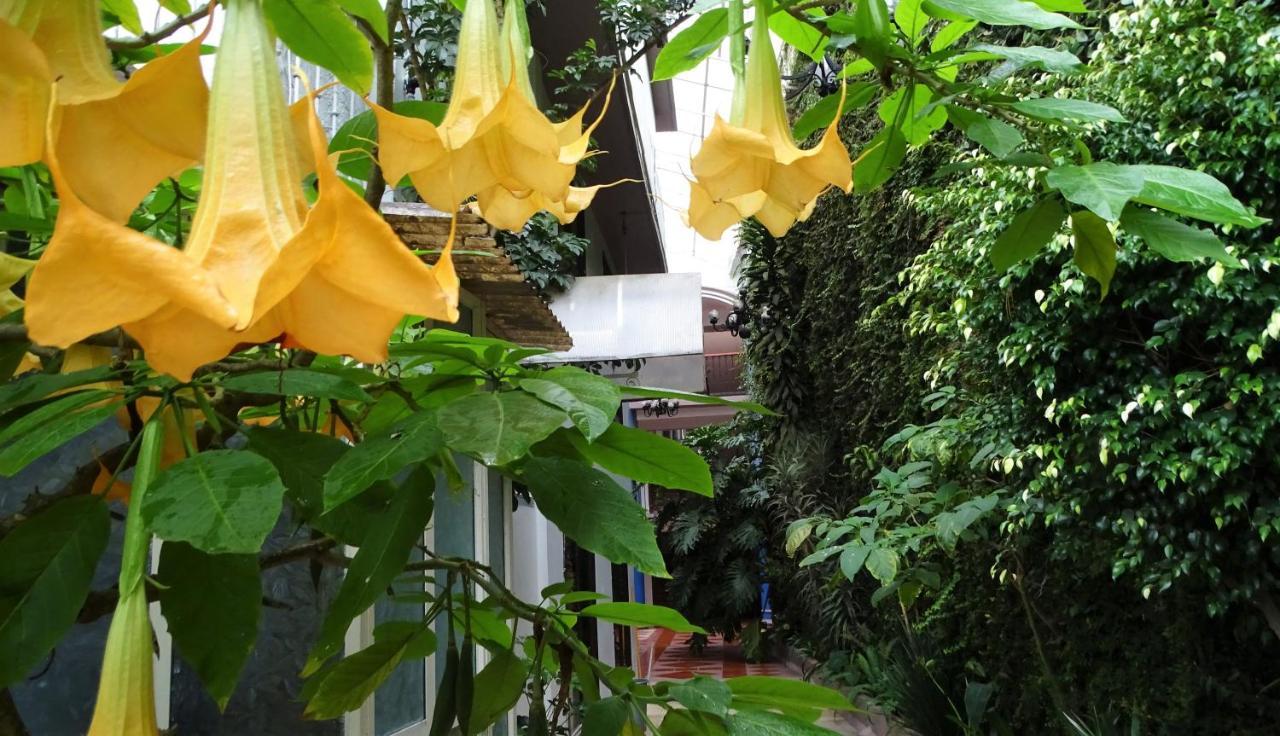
1132,570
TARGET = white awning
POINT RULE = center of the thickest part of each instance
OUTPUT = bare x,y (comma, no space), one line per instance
646,328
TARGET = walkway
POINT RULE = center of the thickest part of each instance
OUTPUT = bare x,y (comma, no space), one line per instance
665,655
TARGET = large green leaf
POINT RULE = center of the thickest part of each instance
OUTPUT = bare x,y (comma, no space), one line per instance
54,430
646,392
382,456
1194,194
799,35
59,407
605,717
1067,111
641,614
590,400
297,382
704,694
126,12
220,501
879,160
1050,60
594,511
1103,187
349,683
320,32
648,458
497,688
766,723
908,108
824,111
1030,231
1095,248
371,12
691,723
692,45
498,427
1174,240
37,386
211,604
773,692
1005,13
996,136
382,554
46,567
882,563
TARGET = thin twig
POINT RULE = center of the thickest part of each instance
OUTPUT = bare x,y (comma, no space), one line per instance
160,33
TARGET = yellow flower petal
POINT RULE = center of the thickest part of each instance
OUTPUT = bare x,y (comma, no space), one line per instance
95,275
117,141
24,97
751,166
70,34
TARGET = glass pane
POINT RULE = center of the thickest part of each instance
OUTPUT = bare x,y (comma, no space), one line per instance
402,700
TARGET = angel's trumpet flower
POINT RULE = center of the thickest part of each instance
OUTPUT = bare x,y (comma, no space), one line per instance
333,278
116,140
126,694
494,143
752,166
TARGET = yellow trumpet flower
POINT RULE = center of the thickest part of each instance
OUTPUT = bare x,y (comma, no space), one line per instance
494,143
116,140
752,166
333,278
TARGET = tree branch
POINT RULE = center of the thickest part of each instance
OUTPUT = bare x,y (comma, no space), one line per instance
160,33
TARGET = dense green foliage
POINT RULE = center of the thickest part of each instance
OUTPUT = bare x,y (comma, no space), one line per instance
1130,564
715,547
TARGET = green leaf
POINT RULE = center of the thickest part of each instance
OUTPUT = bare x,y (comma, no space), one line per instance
1067,111
645,392
605,717
320,32
765,723
950,33
1005,13
691,723
591,401
48,564
54,430
915,123
1095,248
211,604
594,511
349,683
871,28
882,563
799,35
382,456
1030,231
497,688
498,427
380,558
641,614
1174,240
824,111
371,12
355,139
703,694
797,532
59,407
692,45
297,382
1104,188
1050,60
220,501
879,160
648,458
997,136
32,388
177,7
852,559
1193,194
911,18
772,692
126,12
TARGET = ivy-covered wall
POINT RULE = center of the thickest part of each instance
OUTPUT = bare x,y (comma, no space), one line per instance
1132,571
